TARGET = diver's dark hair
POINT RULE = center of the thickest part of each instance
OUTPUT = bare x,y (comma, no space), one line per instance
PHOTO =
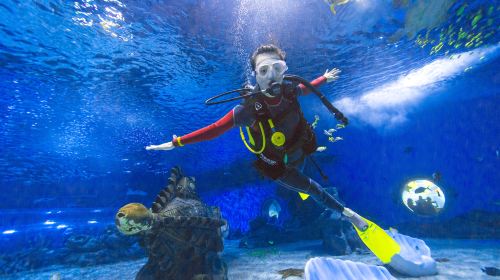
267,49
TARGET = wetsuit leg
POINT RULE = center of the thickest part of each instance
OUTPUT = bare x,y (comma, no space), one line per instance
295,180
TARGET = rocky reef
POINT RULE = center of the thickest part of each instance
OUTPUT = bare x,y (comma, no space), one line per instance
83,248
476,224
306,221
181,234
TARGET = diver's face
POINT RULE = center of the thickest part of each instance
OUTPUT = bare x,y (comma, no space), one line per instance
269,68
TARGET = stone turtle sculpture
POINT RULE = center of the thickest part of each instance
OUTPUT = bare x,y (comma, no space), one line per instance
180,233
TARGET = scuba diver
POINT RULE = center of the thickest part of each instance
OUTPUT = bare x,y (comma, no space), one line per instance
277,131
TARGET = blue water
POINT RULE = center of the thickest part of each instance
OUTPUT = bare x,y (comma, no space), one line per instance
86,85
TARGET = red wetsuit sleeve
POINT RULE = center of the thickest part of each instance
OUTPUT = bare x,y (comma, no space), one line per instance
316,83
208,132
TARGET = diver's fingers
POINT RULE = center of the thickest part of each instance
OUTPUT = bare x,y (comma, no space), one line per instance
162,147
156,147
334,72
331,75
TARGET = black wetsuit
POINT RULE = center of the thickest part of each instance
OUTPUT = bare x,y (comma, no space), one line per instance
282,163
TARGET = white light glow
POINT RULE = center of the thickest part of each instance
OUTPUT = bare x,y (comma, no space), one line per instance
92,222
388,104
61,226
10,231
49,222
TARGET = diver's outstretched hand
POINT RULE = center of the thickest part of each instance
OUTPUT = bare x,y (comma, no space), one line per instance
162,147
331,75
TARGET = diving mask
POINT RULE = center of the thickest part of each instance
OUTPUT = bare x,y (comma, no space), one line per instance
278,67
269,71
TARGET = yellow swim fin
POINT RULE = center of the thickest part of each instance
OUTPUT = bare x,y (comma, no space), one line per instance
304,196
379,242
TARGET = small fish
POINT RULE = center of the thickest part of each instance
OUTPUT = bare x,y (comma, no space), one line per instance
285,273
498,153
43,199
340,126
333,140
408,150
329,132
442,259
56,276
436,176
421,190
321,149
333,3
315,123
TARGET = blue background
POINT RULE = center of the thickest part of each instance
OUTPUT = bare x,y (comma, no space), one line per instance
85,86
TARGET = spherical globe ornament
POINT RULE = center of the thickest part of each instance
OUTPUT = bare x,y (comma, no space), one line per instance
423,197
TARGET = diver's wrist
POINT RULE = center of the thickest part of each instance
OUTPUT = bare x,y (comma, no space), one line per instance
177,142
325,79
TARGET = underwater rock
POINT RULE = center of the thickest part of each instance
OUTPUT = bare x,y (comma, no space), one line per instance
88,259
235,234
289,272
82,243
87,247
329,268
106,247
353,239
182,235
476,224
336,245
492,271
308,221
257,223
262,234
339,236
265,230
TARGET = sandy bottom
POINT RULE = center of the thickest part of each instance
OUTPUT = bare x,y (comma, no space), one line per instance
466,257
